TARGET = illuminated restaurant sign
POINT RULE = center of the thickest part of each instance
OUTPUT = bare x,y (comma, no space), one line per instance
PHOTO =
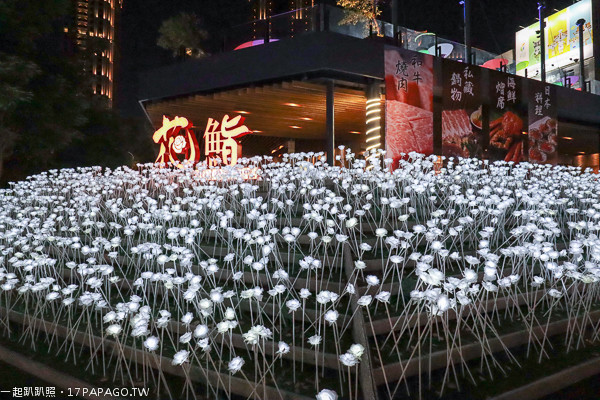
178,142
219,140
174,143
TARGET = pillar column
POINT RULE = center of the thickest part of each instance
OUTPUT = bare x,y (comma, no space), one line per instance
330,123
373,139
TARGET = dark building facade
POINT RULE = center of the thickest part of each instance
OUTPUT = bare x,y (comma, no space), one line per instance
329,87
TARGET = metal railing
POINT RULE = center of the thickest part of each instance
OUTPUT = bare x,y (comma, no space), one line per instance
328,18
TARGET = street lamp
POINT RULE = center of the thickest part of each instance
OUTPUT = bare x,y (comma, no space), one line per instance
467,22
541,6
580,23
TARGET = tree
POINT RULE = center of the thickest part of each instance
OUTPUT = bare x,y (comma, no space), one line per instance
361,11
15,74
49,117
183,35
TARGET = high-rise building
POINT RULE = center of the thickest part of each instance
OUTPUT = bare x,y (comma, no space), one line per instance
95,25
293,11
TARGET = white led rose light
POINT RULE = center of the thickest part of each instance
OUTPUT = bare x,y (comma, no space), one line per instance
163,268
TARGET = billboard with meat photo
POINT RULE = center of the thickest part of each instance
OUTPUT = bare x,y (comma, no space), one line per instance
409,103
462,110
507,119
543,123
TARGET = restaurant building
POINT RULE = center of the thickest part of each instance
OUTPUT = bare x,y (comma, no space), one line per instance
303,82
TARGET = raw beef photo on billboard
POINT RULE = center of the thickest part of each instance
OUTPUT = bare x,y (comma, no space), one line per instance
507,119
409,103
462,111
543,125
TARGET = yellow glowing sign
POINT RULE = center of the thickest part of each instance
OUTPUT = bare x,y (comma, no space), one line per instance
174,144
219,140
220,146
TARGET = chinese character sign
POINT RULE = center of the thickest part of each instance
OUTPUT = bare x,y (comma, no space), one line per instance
220,146
462,110
409,102
177,140
543,125
507,118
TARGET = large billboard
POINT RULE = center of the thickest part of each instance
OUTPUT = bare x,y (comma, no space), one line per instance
409,103
507,118
462,119
561,38
543,123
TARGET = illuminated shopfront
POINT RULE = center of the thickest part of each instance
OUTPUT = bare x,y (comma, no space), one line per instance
321,91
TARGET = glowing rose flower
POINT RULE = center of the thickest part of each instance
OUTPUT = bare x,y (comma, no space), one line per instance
235,365
372,280
180,357
349,360
113,330
151,343
380,232
331,316
356,350
283,348
109,317
52,296
470,275
179,144
365,247
327,394
314,340
383,297
537,281
396,259
365,300
187,318
293,305
185,338
555,293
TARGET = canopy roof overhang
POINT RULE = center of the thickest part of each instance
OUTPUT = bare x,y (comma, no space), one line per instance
292,109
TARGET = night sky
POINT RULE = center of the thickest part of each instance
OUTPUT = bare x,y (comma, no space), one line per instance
494,25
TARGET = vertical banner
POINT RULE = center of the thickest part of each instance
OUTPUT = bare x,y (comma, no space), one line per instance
409,103
507,119
543,125
461,110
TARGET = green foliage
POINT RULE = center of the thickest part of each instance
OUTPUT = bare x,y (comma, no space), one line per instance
361,11
183,35
49,117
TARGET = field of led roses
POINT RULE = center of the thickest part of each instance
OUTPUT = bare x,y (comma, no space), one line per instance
309,280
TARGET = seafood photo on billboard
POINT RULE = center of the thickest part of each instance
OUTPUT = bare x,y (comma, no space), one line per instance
506,137
543,141
507,118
